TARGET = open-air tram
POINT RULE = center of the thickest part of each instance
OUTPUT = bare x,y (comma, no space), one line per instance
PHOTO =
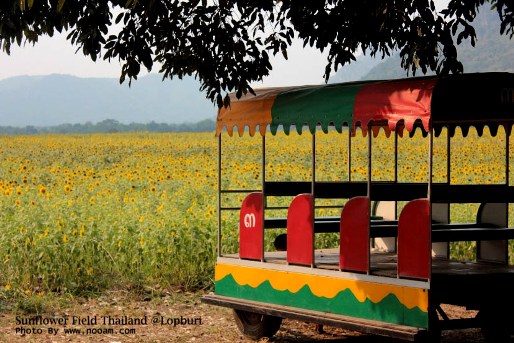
392,270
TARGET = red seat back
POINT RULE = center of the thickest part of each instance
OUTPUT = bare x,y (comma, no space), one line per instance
354,235
414,260
251,228
300,230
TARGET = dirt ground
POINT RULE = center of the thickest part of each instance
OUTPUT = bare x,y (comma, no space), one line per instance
178,317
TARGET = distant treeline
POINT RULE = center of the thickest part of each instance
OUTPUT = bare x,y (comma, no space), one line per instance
111,126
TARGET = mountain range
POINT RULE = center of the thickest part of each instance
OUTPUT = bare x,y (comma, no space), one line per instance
56,99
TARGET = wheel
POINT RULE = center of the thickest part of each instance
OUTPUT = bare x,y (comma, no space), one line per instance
494,325
256,325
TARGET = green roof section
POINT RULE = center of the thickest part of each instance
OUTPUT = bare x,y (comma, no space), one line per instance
315,105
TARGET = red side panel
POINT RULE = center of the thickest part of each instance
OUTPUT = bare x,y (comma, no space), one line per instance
414,240
251,229
354,246
300,230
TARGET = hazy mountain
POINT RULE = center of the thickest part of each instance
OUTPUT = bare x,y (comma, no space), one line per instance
356,70
492,52
57,99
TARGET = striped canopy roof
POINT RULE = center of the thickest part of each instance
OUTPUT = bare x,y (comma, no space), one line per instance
479,100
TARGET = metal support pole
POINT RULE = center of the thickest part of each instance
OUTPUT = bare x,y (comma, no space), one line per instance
430,167
263,171
507,156
370,156
395,169
349,154
313,198
507,179
219,195
430,161
313,182
369,160
448,157
448,172
395,156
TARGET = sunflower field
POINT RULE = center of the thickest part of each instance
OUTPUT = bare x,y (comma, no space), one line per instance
84,213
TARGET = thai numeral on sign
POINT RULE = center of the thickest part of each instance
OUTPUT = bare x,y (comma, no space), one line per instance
249,220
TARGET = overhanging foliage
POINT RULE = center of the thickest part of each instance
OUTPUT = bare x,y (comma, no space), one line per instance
227,43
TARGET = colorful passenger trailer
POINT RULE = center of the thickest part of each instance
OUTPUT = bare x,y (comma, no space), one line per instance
392,272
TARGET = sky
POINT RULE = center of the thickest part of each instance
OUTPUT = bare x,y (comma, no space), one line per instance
56,55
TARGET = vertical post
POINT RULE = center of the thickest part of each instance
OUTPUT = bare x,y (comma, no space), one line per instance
396,168
507,156
313,181
349,154
219,195
430,160
370,145
263,171
395,156
448,155
507,179
430,172
313,184
448,178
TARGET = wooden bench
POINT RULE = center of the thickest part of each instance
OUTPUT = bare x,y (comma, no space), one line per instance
451,232
394,191
467,232
389,228
322,189
331,224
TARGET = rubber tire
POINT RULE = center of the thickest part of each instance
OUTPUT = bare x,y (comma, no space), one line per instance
256,325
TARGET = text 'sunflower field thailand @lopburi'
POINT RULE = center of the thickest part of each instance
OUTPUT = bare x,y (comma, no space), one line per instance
83,213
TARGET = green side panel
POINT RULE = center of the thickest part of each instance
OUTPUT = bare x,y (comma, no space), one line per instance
310,106
345,303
